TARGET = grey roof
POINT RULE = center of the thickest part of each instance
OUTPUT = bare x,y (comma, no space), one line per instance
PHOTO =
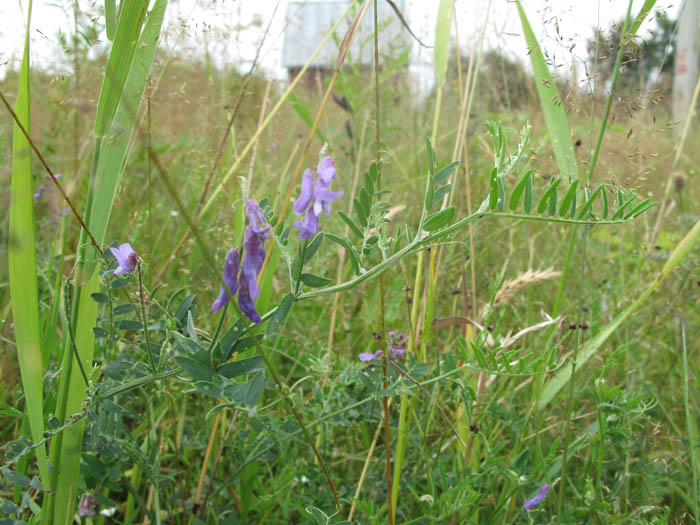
308,21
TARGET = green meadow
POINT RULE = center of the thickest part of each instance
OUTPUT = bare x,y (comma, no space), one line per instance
333,299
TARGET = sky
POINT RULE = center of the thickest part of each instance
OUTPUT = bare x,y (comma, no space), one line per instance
232,29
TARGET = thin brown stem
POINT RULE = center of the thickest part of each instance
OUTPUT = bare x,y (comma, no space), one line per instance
50,172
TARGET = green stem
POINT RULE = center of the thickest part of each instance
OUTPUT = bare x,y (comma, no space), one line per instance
144,320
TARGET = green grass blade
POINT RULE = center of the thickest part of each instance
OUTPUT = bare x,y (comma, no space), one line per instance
552,106
68,464
563,376
22,265
442,41
127,68
116,115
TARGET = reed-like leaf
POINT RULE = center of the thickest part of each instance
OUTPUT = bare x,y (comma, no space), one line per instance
442,41
22,265
127,69
552,106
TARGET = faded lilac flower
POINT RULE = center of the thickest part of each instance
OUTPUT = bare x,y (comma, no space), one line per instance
126,257
230,278
539,497
45,187
87,505
368,356
393,354
322,194
322,197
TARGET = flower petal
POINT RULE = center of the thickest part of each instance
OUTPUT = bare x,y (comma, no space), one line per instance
255,216
539,497
310,225
307,183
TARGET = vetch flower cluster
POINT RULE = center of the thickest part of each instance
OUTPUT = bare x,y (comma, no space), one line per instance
395,341
322,196
245,282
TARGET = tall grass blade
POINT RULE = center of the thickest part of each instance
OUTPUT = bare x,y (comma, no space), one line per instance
442,41
22,265
118,65
127,69
552,106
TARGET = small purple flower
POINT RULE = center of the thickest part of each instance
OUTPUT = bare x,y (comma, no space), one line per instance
368,356
539,497
126,257
45,187
87,505
230,278
322,197
395,352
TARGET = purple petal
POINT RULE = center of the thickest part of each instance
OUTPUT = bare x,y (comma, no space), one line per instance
310,225
326,170
539,497
246,302
368,356
231,264
126,257
394,352
253,259
220,301
307,183
257,221
230,278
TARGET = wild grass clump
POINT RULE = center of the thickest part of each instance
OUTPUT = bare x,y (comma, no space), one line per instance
235,300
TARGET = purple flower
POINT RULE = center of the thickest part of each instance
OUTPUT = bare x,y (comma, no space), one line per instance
230,278
87,504
257,221
393,353
368,356
307,191
45,187
126,257
310,225
539,497
245,283
322,197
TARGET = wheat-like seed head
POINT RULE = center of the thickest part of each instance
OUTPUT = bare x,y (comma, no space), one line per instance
511,287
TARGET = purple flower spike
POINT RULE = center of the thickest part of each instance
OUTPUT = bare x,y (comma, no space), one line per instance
307,191
230,278
253,259
539,497
126,257
87,505
368,356
322,198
